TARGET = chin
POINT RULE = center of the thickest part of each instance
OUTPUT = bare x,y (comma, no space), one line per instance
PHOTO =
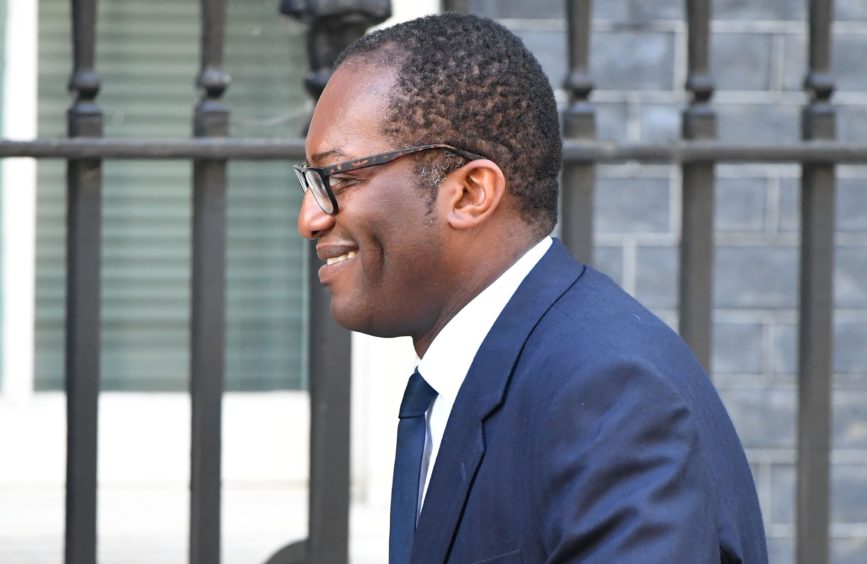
351,318
373,324
344,318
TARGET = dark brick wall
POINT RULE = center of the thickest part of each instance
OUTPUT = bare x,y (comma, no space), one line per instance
758,51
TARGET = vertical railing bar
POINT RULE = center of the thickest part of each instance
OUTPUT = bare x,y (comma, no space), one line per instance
84,195
821,16
213,27
815,328
698,46
698,186
83,38
208,297
579,123
330,407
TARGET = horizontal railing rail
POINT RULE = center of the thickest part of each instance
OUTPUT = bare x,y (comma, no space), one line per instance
573,151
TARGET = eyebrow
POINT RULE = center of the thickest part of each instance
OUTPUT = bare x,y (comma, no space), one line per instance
330,153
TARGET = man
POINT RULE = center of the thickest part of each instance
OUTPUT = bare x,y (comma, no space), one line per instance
569,424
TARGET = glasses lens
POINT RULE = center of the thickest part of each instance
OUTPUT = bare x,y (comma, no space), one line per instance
301,180
317,186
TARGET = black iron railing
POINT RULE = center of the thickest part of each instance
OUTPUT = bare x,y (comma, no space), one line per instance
83,245
208,315
211,147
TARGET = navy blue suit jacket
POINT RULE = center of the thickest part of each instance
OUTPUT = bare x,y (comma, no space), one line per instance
586,431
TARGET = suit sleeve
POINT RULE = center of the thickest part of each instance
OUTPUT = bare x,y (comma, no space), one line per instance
620,476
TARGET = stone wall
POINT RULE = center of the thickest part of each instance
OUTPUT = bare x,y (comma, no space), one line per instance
758,50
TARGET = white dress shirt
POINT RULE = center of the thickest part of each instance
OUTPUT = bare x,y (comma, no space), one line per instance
448,359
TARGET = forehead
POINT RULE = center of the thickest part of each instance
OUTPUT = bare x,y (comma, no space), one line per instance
347,122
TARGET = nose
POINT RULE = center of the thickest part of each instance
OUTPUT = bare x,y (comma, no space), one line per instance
312,221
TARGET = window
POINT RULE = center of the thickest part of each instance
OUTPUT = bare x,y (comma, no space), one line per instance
147,56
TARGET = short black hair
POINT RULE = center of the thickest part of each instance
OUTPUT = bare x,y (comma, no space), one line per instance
467,81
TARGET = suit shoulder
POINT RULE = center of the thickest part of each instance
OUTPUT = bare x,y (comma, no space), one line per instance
598,318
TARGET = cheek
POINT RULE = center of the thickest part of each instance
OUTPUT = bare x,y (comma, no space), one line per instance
404,265
394,263
401,234
399,237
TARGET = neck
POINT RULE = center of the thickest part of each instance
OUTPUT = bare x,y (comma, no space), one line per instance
480,267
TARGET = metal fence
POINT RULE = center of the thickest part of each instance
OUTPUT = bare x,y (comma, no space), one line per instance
210,148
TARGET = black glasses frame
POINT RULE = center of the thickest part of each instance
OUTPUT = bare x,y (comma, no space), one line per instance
324,196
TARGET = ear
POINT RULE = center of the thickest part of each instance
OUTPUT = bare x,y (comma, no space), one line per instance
475,191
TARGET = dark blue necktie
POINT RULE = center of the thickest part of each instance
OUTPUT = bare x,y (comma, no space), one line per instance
407,467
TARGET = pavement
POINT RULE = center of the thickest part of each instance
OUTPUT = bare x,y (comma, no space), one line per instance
148,524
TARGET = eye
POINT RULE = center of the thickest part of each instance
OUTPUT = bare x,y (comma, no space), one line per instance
341,182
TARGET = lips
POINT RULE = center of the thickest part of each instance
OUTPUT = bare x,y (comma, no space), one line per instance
336,257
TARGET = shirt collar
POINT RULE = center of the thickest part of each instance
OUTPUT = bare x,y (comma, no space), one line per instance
448,359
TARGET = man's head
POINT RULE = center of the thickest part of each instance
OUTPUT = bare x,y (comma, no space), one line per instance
411,236
469,82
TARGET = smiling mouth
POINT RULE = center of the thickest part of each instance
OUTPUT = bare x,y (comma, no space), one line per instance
341,258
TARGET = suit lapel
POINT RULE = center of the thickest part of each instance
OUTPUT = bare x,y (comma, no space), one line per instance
483,390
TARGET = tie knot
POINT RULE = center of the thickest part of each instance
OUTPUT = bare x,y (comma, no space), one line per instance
417,397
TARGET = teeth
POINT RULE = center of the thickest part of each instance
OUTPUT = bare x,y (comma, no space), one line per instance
341,258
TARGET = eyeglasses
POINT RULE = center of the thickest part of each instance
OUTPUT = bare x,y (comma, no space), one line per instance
315,179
